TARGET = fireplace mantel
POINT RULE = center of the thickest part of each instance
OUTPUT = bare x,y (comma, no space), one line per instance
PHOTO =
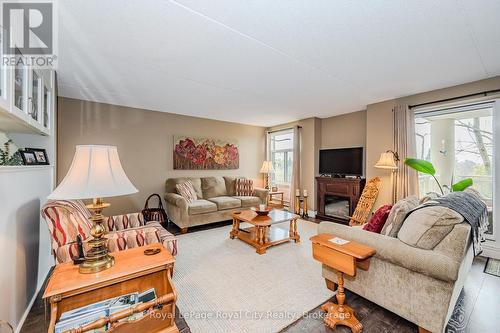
349,188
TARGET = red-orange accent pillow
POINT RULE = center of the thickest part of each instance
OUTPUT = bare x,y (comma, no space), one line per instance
378,219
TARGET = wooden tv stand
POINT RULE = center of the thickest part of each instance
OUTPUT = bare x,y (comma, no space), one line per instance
348,188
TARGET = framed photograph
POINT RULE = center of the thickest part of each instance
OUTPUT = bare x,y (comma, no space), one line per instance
40,155
28,157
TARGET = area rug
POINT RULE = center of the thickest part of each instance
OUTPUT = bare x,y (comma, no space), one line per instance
223,285
492,267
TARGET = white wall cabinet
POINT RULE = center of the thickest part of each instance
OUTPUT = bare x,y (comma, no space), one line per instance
26,100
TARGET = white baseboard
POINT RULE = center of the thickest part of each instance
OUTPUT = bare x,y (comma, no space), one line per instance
491,251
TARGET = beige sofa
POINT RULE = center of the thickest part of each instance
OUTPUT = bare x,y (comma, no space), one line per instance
419,285
216,201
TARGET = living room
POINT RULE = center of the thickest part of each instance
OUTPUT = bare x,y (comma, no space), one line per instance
285,166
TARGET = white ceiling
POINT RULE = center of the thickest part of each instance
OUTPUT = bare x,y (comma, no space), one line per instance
266,62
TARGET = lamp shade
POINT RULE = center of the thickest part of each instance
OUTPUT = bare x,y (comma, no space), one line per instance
96,172
267,167
386,161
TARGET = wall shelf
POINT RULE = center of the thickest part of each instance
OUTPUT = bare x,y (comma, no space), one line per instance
24,168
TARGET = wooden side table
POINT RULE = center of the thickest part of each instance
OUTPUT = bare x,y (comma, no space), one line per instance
344,259
279,202
133,271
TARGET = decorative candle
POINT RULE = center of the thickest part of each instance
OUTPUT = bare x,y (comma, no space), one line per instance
305,193
297,193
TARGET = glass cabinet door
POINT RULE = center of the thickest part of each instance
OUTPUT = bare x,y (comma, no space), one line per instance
19,88
46,106
2,69
35,96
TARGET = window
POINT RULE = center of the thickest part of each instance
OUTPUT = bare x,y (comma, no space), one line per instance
459,142
281,154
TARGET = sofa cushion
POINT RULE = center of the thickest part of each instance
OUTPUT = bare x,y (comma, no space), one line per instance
428,226
171,182
224,202
201,206
247,201
213,187
378,219
398,214
230,185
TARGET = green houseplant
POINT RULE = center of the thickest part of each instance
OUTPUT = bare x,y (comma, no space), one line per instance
426,167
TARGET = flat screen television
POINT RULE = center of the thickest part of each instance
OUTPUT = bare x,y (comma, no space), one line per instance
342,161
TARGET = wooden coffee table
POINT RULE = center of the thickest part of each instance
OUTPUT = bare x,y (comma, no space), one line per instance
262,235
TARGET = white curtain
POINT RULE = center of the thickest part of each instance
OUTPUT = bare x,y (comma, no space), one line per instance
295,184
405,180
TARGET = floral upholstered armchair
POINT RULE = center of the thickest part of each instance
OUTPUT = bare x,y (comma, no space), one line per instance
67,219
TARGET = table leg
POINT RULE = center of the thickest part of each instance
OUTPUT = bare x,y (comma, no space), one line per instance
259,240
341,314
290,231
296,235
53,312
234,230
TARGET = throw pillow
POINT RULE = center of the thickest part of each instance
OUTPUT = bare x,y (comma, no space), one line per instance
186,190
378,219
428,226
398,214
243,187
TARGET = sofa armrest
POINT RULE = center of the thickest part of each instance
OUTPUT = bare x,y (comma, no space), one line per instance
177,209
261,193
429,262
176,200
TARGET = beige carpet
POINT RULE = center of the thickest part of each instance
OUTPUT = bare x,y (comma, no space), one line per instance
224,286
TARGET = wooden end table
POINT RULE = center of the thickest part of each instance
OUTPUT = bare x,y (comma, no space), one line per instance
344,259
133,271
261,235
279,202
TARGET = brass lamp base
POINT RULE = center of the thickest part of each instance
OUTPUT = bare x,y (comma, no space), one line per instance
95,266
97,258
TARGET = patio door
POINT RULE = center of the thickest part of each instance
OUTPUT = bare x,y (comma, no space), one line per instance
460,141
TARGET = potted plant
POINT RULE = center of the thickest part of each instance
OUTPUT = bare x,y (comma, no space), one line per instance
426,167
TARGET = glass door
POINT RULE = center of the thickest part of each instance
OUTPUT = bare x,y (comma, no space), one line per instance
460,142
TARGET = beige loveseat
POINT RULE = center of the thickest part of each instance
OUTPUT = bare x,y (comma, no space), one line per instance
419,285
216,201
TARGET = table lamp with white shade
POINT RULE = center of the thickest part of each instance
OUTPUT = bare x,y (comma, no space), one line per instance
95,173
267,168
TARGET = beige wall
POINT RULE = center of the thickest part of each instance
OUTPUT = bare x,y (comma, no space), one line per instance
145,142
347,130
379,131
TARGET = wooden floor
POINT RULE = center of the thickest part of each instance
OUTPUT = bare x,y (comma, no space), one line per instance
477,309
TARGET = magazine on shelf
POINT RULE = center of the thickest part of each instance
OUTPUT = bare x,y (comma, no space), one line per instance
92,312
